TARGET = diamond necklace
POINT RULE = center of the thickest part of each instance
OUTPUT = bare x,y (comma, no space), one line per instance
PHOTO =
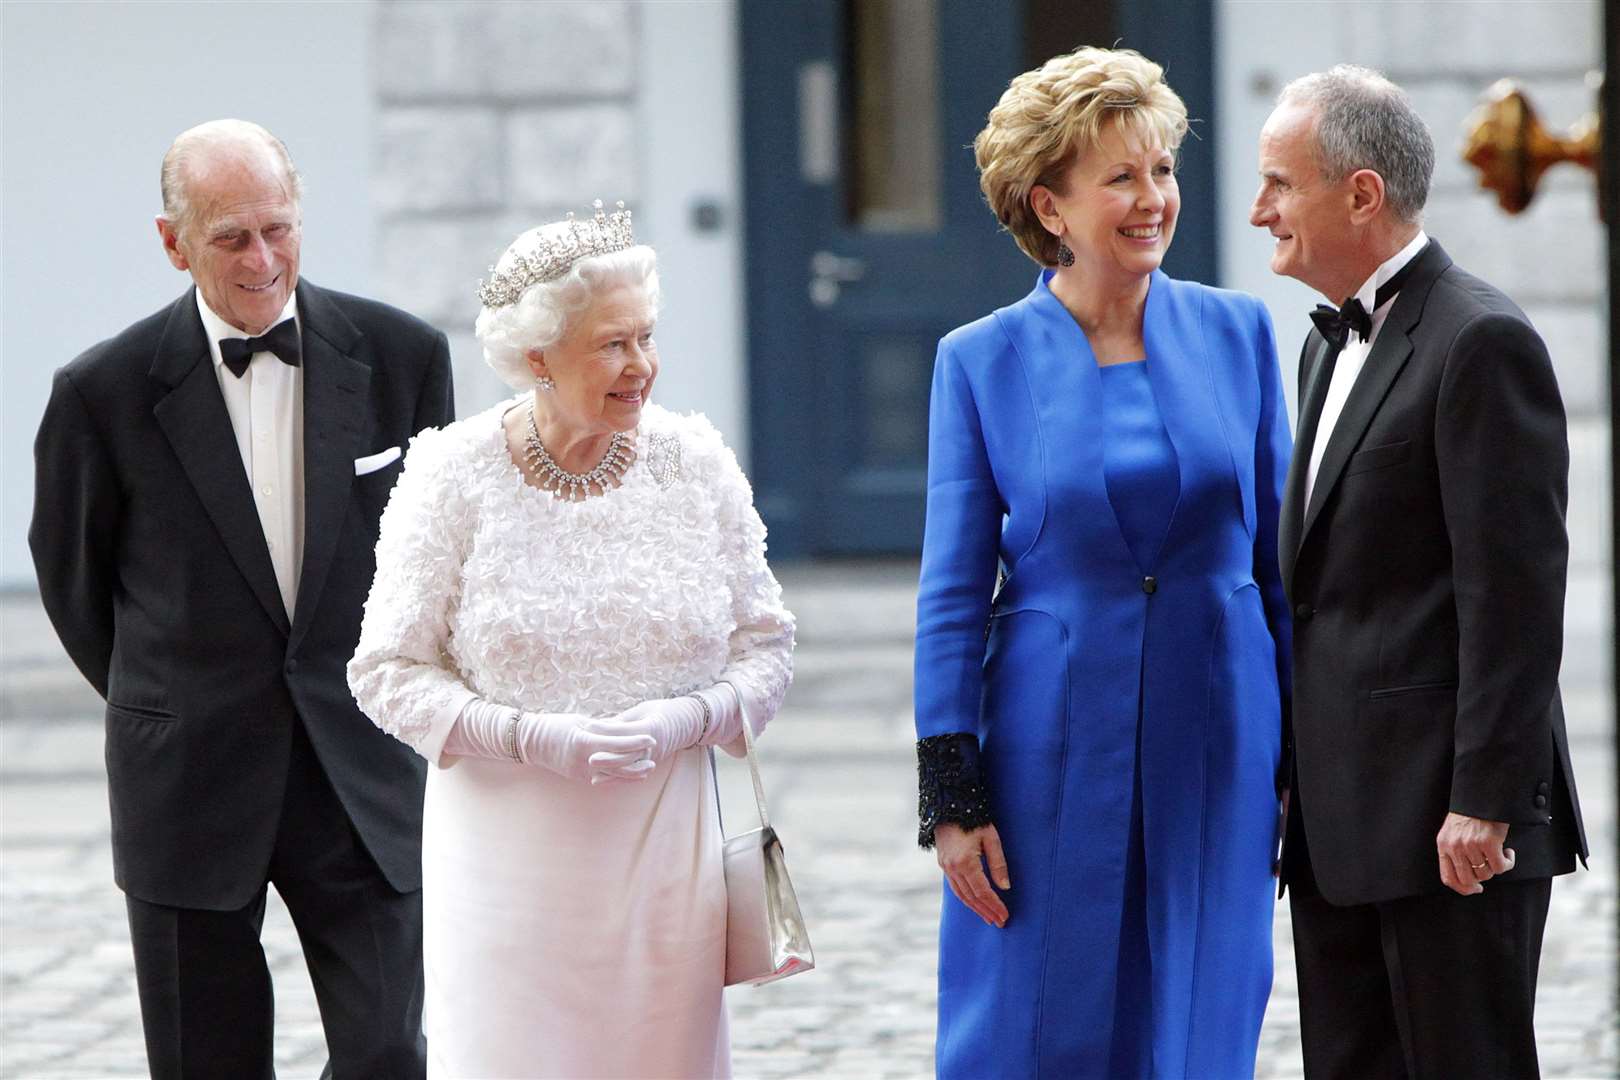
576,486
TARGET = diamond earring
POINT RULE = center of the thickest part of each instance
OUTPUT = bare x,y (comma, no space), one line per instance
548,384
1065,256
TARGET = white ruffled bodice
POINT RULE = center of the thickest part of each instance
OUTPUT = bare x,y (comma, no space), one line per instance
487,586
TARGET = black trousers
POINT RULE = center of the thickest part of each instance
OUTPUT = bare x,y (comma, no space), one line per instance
1422,987
207,1005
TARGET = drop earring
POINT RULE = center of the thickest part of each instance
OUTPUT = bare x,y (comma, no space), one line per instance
1065,257
548,384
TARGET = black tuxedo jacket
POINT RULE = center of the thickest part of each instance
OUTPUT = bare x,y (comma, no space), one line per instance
154,569
1427,578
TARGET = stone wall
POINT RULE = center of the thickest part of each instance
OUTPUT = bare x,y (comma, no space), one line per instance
1550,259
492,118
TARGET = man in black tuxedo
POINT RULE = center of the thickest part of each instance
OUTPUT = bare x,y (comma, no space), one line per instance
207,493
1423,548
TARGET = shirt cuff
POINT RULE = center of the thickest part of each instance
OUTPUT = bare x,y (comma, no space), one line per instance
950,789
432,744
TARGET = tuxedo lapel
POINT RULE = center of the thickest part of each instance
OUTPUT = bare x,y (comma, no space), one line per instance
192,417
1384,363
1388,356
335,396
1320,371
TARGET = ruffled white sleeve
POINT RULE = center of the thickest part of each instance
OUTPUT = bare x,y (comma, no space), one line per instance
402,675
761,647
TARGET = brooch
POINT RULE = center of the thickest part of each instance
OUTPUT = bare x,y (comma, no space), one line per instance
664,458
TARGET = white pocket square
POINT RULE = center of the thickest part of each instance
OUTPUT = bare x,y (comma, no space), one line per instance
372,462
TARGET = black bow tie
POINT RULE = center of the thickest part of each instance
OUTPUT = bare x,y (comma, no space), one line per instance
1336,323
281,339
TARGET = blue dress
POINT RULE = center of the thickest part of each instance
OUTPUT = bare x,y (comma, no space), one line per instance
1124,687
1139,467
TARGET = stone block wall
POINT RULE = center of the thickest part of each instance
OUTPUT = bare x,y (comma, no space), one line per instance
492,118
1550,259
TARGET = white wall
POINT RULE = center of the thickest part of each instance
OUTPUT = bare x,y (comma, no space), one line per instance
497,117
1260,47
1445,53
688,122
92,95
1550,259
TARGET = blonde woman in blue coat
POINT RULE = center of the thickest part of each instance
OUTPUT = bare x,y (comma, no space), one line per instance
1100,737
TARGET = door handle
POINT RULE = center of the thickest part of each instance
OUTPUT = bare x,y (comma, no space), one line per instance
829,273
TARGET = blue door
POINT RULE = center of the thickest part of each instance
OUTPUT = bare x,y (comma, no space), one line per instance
867,238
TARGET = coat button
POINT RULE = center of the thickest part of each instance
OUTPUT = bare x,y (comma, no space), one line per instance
1303,612
1541,802
1150,584
1542,788
292,666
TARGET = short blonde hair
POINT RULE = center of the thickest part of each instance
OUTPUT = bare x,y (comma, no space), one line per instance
1059,111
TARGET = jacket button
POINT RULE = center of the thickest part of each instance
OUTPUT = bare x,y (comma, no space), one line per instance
1150,584
292,666
1542,788
1303,612
1541,801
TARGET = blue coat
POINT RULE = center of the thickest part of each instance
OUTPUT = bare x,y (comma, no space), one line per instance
1082,642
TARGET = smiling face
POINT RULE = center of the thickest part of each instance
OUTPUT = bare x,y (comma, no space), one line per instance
1118,206
240,238
604,368
1309,216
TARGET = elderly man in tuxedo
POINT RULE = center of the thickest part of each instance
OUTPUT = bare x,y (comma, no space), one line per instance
1424,553
208,488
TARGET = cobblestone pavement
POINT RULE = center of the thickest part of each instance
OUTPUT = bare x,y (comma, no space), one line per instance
840,774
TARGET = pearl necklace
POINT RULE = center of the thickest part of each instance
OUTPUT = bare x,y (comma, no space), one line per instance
576,486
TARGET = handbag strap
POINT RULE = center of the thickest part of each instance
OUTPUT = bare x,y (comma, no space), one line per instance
714,778
753,769
753,762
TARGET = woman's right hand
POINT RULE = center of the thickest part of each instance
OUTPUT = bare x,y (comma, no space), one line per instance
963,855
561,742
567,744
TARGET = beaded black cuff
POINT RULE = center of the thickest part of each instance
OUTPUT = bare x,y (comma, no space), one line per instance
949,788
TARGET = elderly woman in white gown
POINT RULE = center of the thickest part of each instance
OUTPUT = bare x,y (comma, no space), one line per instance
571,602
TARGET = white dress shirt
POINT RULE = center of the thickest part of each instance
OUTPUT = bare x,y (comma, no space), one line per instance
1354,355
266,406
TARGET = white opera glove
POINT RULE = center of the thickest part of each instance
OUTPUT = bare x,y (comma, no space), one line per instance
701,718
562,742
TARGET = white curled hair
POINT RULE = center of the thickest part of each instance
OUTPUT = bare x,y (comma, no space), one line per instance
542,316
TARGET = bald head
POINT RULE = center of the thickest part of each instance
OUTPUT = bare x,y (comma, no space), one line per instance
231,219
219,144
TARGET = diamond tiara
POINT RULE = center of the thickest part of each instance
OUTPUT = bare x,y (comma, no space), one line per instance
554,256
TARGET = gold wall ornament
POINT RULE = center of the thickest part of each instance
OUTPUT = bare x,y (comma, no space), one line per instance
1506,142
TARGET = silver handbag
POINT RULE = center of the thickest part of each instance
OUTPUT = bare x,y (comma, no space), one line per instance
765,935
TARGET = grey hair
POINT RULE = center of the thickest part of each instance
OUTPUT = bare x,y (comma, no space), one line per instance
544,314
193,142
1364,121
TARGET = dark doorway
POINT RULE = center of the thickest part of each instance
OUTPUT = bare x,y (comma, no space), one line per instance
868,239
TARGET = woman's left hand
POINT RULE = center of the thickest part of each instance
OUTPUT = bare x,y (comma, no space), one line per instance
963,855
673,723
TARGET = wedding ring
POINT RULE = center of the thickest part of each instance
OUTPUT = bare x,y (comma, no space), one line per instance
1479,866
